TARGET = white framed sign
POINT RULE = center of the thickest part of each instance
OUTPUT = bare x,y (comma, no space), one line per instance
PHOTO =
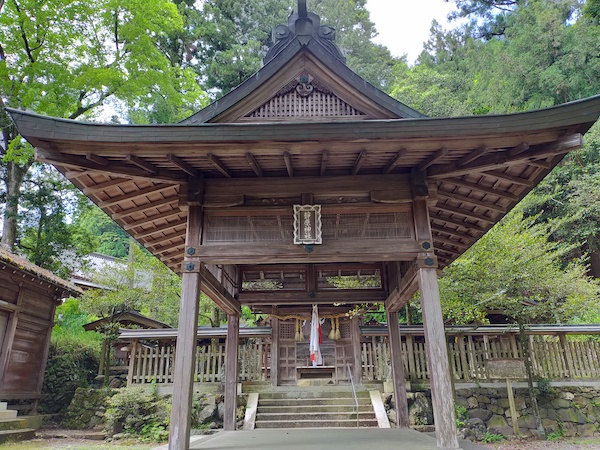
307,224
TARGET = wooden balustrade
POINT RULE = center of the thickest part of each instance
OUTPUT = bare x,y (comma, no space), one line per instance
553,358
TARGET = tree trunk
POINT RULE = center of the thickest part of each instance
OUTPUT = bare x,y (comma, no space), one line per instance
15,175
595,264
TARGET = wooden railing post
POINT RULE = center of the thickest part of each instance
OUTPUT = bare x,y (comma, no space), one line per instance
398,377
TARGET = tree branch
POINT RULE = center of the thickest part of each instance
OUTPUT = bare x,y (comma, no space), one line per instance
24,36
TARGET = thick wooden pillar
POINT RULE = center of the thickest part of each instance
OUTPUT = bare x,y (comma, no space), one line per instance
437,360
274,363
398,377
185,361
358,370
433,322
231,371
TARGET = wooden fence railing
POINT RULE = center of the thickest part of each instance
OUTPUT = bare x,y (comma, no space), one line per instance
155,364
554,358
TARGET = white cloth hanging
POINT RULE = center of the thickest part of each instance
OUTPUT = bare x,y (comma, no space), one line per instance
315,338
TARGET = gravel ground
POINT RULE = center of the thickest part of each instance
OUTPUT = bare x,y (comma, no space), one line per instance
564,444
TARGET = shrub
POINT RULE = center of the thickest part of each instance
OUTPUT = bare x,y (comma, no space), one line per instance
138,412
462,414
71,364
492,437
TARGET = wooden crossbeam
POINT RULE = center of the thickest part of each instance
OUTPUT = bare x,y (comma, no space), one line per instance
166,227
145,220
145,207
463,212
254,164
317,297
407,286
523,147
508,177
164,248
499,159
155,189
359,162
288,163
142,164
459,223
394,161
115,169
105,185
472,201
181,164
472,156
217,292
452,232
541,164
218,164
432,159
324,157
164,238
480,188
457,244
97,159
440,248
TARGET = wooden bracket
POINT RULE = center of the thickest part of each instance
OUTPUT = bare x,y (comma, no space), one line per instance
192,252
426,262
191,266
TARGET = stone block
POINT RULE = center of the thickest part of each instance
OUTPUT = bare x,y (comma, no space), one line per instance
483,399
570,429
496,421
472,403
527,422
559,403
571,415
504,403
587,430
551,426
480,413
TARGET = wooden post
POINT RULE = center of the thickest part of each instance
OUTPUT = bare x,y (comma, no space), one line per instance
398,376
433,323
132,357
437,359
355,335
274,373
566,354
231,371
183,376
513,409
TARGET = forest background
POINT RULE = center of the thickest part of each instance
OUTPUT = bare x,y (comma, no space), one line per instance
159,61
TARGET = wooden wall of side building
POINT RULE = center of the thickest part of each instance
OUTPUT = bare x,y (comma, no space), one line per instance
25,334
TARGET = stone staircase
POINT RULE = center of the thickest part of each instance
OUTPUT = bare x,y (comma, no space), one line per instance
13,428
314,407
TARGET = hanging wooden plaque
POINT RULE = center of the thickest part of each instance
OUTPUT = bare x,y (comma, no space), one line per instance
307,224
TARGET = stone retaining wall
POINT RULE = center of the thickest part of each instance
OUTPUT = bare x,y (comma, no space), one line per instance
570,411
564,411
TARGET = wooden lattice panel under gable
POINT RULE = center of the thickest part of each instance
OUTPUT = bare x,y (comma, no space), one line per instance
305,98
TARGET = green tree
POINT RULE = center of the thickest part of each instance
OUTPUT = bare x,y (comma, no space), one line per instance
47,238
69,58
517,269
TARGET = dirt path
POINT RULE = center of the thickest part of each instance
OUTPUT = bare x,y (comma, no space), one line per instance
564,444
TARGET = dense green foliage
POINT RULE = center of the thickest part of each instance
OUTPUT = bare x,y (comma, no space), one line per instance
138,412
73,359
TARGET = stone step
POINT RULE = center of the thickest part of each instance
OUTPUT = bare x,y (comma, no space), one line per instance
324,416
13,424
264,387
296,423
305,409
313,394
8,414
310,401
16,435
3,406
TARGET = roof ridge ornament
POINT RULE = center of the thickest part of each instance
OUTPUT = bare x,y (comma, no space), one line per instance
305,26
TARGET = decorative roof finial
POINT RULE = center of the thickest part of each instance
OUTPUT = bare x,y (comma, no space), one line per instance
302,11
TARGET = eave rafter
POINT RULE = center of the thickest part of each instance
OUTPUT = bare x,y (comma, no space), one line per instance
160,229
359,162
513,156
394,161
145,207
287,158
254,164
219,165
181,164
136,194
120,170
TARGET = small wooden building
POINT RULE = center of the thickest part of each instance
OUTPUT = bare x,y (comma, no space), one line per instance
228,198
28,298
